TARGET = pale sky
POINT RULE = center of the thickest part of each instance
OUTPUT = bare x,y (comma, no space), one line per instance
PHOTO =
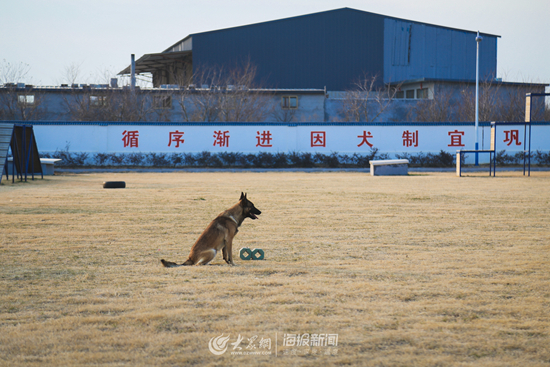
99,36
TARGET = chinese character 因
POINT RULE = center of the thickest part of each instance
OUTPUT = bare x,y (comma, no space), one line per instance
264,139
456,138
221,138
512,136
410,139
366,135
318,138
176,137
130,138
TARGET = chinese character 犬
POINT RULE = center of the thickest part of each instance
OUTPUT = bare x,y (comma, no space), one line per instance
366,135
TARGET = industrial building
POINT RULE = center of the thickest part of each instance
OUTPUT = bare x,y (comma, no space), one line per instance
329,50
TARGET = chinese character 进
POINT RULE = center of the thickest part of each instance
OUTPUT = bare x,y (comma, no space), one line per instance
511,136
264,139
456,138
130,138
366,135
410,139
221,138
176,136
318,138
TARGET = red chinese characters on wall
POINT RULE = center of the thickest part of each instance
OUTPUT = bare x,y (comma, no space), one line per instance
364,138
318,139
456,138
410,139
511,136
221,138
264,139
130,138
176,137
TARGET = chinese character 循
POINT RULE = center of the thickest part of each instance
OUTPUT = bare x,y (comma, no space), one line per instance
176,137
264,139
456,138
511,136
318,138
130,138
221,138
366,135
410,139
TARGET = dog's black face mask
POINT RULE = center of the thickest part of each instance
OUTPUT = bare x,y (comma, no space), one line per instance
250,211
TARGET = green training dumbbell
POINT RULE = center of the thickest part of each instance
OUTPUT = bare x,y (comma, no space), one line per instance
245,253
257,254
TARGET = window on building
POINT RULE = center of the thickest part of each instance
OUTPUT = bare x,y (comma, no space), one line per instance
98,101
400,94
25,100
409,94
162,101
290,102
422,93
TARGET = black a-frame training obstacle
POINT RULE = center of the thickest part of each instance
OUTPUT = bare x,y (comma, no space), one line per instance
25,158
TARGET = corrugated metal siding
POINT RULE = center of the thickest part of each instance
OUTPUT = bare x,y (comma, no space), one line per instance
435,52
331,49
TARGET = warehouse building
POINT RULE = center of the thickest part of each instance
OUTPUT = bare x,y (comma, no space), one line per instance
330,50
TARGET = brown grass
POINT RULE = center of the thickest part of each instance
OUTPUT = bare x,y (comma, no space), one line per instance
420,270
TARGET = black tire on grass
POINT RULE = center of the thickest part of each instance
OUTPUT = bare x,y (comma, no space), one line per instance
114,185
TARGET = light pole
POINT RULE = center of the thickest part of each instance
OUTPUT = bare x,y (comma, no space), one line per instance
478,40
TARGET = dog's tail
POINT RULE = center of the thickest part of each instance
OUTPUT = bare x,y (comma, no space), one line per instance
169,264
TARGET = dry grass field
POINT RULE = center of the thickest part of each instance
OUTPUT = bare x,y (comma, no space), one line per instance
424,270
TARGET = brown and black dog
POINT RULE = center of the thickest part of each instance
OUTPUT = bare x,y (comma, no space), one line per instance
219,234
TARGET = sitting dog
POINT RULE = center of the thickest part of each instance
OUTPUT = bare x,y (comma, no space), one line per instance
219,234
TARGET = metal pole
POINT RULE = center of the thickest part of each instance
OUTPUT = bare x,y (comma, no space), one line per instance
133,72
478,40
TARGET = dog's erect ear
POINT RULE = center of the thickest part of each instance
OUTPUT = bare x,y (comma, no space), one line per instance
243,196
